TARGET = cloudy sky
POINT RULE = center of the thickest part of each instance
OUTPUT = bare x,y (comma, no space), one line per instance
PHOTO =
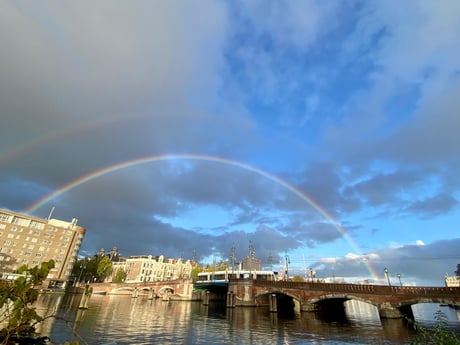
326,131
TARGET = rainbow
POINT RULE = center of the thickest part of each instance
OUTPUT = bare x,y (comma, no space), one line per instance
150,159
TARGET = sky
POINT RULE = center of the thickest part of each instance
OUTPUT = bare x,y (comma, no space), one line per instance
325,132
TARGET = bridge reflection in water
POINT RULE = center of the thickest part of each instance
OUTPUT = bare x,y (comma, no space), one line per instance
127,320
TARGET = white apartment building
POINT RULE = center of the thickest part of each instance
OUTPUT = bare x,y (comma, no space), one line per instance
148,268
27,240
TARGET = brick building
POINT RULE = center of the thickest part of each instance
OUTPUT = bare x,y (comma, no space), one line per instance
27,240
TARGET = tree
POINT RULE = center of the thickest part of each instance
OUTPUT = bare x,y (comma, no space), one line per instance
457,272
120,276
298,279
195,270
16,299
104,267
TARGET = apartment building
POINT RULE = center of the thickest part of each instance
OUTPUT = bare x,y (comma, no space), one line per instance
146,268
27,240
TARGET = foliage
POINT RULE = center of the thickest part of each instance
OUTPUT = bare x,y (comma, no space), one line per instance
17,313
120,276
218,266
195,270
104,267
298,279
439,334
94,269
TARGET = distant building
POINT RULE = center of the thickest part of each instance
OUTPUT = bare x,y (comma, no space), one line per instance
146,268
27,240
251,264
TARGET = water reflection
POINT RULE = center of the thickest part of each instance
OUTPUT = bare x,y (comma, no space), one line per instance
126,320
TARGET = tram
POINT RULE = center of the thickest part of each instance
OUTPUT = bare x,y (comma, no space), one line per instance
225,276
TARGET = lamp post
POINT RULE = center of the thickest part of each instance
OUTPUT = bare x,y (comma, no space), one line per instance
82,267
385,270
399,277
288,261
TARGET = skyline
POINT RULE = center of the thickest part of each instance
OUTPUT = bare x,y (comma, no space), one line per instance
327,131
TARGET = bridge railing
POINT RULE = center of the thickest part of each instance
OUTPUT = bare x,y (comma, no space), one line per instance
362,288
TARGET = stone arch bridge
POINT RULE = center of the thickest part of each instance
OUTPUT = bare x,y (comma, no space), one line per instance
391,301
179,289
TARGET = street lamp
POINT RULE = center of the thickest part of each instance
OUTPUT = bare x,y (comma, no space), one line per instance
385,270
399,277
288,261
82,267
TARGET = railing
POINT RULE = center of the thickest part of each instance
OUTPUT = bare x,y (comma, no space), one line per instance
356,288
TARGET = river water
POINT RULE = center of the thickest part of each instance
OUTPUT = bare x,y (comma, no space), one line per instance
124,320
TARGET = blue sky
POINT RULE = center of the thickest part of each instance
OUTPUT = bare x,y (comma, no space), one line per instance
275,106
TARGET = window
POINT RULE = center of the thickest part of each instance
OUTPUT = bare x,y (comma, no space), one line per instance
10,236
34,240
20,221
36,225
4,217
6,243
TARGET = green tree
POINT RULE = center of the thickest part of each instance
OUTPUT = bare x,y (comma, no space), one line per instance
120,276
298,279
104,267
195,270
16,299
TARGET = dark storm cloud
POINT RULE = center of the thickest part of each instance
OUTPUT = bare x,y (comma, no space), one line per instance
429,207
382,189
88,85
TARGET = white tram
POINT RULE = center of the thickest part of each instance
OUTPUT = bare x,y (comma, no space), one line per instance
225,276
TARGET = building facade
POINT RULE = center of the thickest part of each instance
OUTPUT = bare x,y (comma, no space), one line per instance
27,240
148,268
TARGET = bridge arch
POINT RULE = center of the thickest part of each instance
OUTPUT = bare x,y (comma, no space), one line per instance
285,302
166,290
123,288
344,297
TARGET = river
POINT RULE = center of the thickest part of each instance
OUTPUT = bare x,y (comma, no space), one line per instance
124,320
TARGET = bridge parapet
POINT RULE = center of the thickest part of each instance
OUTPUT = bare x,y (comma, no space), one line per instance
361,288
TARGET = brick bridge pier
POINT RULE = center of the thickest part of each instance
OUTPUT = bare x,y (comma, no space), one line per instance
391,301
